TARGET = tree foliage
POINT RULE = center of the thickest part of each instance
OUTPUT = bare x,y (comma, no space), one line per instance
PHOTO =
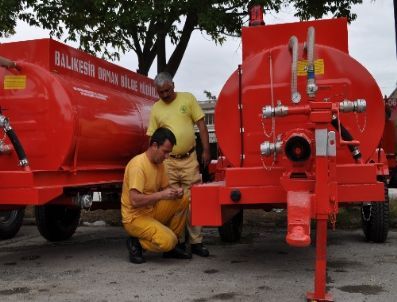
111,28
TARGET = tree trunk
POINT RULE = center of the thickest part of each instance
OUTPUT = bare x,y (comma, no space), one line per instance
179,51
161,52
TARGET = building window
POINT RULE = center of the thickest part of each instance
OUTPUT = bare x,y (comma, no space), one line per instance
209,118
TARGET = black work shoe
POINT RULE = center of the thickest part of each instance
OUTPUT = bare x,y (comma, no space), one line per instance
200,249
177,253
135,250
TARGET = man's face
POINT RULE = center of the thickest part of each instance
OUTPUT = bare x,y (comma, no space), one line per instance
162,152
166,92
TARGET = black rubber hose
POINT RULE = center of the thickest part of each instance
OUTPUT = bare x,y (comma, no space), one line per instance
347,137
17,144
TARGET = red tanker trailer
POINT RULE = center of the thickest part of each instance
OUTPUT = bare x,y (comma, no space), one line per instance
70,123
299,124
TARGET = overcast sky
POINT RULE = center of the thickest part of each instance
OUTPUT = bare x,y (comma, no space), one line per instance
207,66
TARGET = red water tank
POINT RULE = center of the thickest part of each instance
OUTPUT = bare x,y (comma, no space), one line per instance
78,118
264,79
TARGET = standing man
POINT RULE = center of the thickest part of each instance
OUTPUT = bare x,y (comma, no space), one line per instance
179,111
153,214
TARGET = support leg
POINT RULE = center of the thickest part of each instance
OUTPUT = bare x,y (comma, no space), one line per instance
321,265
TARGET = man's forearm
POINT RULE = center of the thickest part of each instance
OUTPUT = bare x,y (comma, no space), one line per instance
141,200
203,135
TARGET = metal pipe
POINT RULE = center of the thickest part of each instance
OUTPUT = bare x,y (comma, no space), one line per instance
293,46
240,107
7,63
311,87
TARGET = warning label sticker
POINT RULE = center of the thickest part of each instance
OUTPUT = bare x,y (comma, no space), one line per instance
318,67
15,82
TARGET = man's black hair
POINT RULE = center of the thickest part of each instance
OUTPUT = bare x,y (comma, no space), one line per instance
161,135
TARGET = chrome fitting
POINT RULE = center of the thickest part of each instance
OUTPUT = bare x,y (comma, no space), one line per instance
4,123
311,88
360,105
268,148
24,162
279,110
4,148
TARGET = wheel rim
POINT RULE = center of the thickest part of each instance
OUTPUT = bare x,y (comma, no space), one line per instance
7,216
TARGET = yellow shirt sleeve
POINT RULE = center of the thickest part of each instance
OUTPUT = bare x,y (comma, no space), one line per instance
197,112
136,179
153,125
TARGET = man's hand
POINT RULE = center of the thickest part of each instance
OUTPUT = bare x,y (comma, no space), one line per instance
172,193
179,192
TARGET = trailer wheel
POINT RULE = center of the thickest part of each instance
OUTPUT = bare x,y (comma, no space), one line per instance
393,179
375,219
55,222
231,230
10,223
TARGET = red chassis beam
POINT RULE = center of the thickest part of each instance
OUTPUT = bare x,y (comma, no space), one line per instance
305,199
259,187
40,187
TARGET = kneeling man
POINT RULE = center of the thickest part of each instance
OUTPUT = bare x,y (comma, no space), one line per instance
153,214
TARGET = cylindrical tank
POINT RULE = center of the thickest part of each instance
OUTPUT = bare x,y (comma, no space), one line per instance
72,111
70,115
264,78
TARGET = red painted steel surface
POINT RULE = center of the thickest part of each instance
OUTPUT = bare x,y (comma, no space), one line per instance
317,172
79,118
266,71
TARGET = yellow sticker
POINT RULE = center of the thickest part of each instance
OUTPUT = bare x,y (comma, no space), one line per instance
15,82
318,67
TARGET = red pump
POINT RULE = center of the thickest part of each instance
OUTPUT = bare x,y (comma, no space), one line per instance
300,122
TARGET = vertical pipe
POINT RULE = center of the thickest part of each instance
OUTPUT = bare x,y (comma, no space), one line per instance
240,108
293,46
311,87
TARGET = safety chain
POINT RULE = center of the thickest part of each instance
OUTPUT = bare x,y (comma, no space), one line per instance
267,134
362,129
266,167
332,216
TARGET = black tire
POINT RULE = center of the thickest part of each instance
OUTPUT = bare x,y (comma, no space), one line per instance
393,179
57,222
375,219
10,223
231,230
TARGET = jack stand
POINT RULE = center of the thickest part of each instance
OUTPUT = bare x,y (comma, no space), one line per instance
319,294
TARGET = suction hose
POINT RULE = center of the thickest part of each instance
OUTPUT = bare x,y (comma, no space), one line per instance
355,151
5,124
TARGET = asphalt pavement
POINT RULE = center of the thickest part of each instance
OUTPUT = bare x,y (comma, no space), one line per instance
93,266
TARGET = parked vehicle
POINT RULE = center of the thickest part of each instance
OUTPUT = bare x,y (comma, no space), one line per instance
299,125
70,124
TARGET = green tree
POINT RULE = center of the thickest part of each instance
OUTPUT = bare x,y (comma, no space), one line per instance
143,26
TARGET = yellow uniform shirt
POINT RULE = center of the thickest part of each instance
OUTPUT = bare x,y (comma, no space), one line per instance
144,176
179,116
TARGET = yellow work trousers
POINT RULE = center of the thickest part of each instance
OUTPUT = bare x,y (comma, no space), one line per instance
159,231
183,173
